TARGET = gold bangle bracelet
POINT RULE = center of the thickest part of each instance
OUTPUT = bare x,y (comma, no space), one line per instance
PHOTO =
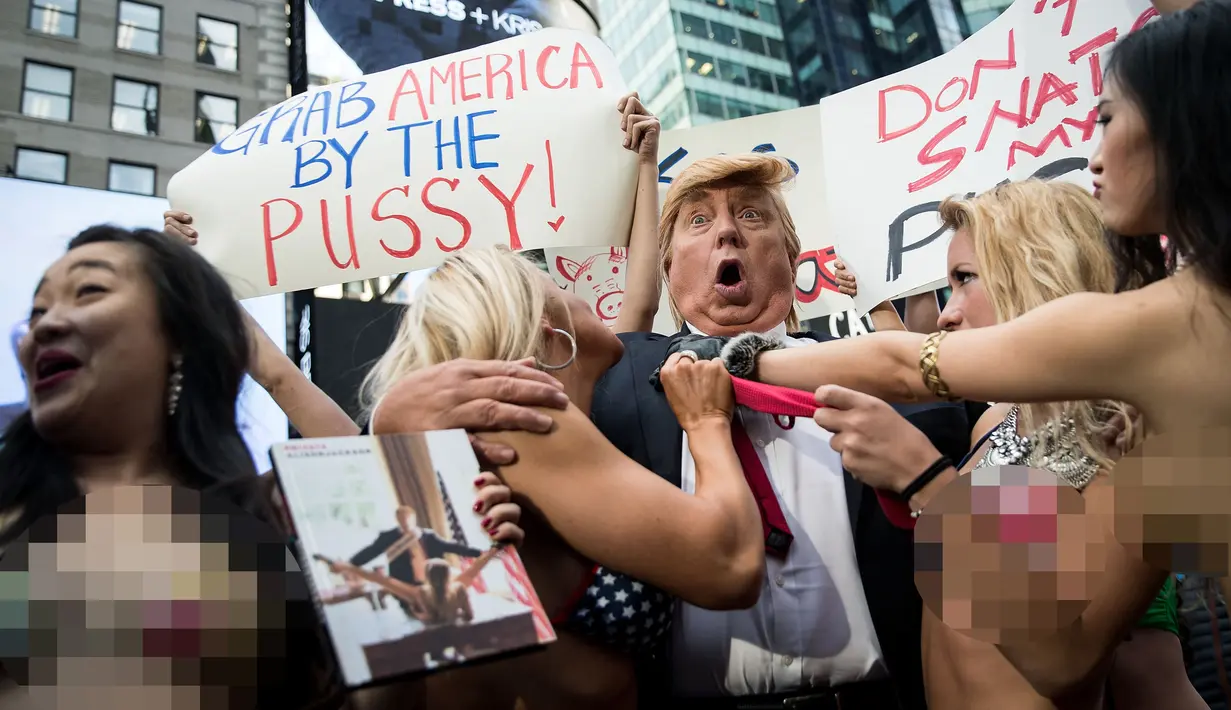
929,355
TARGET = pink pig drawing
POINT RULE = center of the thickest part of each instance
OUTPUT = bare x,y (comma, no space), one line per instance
598,280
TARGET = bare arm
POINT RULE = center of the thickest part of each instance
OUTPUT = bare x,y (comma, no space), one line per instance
706,549
309,409
641,283
922,312
885,318
1083,346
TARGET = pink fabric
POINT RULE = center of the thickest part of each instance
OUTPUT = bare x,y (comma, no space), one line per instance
786,402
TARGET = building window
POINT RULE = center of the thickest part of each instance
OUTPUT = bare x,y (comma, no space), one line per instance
130,177
768,12
217,43
140,27
774,48
134,107
723,34
217,117
752,42
47,92
698,63
709,104
691,25
44,165
761,80
54,17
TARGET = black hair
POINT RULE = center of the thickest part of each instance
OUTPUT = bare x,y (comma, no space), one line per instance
1177,72
203,323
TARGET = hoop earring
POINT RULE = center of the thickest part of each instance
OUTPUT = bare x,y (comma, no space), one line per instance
573,356
175,385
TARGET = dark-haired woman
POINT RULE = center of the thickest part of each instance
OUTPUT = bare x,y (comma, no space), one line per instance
134,360
1164,167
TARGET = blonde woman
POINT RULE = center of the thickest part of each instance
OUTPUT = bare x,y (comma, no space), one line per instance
1162,167
996,276
604,533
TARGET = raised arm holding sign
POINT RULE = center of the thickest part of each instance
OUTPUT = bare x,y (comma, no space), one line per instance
512,143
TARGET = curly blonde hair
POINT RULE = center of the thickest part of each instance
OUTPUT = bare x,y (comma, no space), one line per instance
1035,242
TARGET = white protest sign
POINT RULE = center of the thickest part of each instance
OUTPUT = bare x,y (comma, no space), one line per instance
1016,100
517,142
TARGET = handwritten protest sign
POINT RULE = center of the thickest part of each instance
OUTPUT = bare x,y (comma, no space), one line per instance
1016,100
516,142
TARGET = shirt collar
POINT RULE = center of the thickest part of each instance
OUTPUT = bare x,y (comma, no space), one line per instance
778,332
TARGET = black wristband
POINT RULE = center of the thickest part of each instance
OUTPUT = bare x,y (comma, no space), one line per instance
925,478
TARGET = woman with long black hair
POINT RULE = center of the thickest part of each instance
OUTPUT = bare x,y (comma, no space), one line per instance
134,360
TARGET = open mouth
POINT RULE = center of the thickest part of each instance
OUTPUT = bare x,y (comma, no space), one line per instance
730,273
54,366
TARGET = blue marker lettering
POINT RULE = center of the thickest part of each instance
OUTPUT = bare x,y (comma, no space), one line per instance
279,112
668,163
475,138
405,129
456,143
368,104
300,163
349,157
323,97
250,128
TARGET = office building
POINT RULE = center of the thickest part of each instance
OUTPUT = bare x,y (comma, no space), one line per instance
697,62
834,45
120,94
976,14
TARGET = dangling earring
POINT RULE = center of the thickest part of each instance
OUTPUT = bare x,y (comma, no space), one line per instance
572,344
175,385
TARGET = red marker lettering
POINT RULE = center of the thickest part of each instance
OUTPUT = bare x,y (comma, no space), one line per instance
410,224
1037,151
1018,119
353,261
449,79
508,203
1096,69
1050,88
961,97
270,268
993,64
581,58
503,70
409,74
542,68
951,158
883,110
465,76
446,212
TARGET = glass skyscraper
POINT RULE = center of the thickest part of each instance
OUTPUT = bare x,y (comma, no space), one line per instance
696,62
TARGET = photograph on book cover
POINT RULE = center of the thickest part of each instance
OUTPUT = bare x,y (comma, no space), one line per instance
406,577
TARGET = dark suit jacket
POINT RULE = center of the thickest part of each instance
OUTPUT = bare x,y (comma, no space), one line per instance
400,567
637,419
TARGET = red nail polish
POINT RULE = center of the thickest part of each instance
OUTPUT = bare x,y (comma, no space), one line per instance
478,505
480,482
487,523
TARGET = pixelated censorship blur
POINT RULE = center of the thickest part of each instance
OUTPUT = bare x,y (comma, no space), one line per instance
155,597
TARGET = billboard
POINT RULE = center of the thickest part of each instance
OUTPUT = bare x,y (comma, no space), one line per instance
40,220
346,39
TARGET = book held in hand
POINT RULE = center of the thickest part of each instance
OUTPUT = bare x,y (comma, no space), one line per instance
405,577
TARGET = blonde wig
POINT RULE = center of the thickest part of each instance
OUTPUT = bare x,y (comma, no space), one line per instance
480,304
1034,242
751,170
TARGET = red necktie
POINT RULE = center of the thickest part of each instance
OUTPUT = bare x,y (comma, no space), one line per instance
785,402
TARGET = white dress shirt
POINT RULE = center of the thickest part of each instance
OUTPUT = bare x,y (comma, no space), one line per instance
811,626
